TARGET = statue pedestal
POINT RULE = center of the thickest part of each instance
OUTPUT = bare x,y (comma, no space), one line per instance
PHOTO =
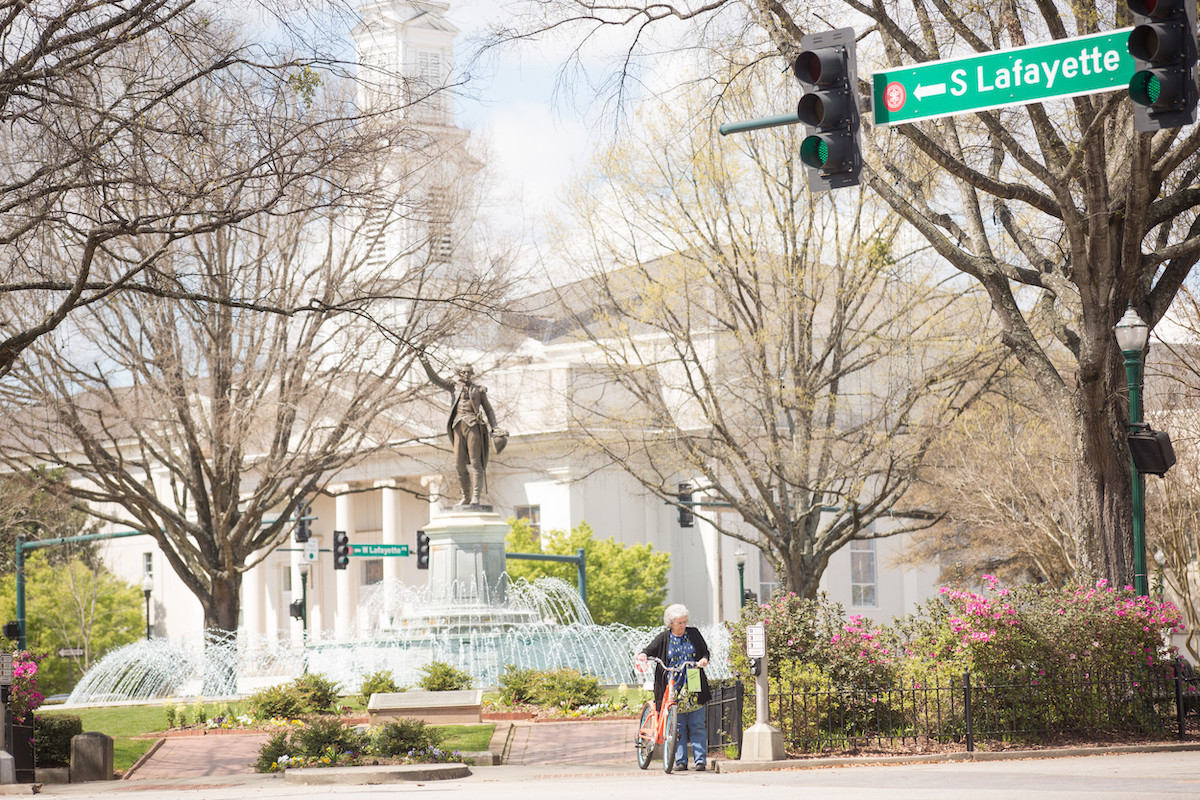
466,557
468,584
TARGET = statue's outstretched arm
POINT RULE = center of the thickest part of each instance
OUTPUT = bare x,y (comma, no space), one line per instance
432,373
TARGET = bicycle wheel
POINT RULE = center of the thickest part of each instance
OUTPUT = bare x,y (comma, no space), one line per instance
669,736
643,741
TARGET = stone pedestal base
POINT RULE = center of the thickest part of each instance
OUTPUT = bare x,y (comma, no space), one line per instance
466,557
762,742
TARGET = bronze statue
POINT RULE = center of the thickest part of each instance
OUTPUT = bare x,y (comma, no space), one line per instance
471,427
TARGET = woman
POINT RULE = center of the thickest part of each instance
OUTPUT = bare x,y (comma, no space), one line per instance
677,644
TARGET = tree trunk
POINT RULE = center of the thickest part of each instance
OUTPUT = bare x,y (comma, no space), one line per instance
220,635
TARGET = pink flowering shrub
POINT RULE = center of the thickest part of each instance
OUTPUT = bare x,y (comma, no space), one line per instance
1028,649
24,698
1095,631
1032,629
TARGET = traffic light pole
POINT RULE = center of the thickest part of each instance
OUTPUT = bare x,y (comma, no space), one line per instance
19,563
758,124
578,560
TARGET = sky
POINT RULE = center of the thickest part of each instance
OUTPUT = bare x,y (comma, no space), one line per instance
536,139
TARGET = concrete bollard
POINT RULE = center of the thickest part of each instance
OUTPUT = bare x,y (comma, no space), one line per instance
91,757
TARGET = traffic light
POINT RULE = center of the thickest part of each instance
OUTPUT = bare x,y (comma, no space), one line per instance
422,550
1163,46
303,524
341,549
686,518
829,109
1152,451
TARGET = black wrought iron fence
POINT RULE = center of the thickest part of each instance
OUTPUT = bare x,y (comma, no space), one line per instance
723,716
1159,703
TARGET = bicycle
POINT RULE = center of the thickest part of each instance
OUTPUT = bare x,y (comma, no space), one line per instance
659,726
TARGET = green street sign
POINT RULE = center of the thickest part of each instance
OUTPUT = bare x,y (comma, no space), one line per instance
1099,62
377,550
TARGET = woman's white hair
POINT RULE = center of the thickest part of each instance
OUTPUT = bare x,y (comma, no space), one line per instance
674,612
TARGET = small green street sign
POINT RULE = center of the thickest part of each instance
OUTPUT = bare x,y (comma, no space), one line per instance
1099,62
377,550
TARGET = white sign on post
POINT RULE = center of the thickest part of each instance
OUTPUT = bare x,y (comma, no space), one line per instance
312,549
756,641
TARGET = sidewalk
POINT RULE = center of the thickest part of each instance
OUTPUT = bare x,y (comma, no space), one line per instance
567,743
200,757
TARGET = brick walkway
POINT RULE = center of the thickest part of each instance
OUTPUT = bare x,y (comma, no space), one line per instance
201,757
603,742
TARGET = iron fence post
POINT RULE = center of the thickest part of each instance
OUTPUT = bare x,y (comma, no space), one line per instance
967,710
1179,713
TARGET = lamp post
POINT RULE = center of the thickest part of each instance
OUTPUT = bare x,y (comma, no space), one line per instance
1132,334
147,588
304,600
739,558
1160,558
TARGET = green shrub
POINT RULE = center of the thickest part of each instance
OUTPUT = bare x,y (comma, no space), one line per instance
52,739
401,736
518,685
170,709
181,714
319,734
438,676
199,713
568,688
275,701
270,752
317,692
377,683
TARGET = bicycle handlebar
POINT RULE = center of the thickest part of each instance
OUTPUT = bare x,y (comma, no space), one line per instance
668,668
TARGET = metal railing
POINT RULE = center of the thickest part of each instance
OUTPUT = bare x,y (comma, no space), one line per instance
1160,703
723,715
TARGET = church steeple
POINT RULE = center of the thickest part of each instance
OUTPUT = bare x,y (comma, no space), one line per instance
405,52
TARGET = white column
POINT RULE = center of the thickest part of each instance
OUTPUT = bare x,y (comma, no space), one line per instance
388,497
252,600
347,579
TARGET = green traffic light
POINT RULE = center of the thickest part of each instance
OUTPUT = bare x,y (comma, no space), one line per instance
1145,88
814,151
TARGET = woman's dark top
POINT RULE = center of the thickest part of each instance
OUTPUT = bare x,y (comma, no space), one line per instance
658,649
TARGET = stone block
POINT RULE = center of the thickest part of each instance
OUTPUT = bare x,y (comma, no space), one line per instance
464,706
91,757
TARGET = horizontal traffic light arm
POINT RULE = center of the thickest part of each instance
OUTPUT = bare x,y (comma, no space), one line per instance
757,124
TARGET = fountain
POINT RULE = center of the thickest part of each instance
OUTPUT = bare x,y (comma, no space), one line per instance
470,615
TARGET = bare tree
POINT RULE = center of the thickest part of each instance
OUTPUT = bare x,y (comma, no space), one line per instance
787,361
114,149
204,423
1059,211
999,481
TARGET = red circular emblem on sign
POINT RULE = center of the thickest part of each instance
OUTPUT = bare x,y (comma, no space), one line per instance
894,96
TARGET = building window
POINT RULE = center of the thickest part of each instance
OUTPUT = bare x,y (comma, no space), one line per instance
287,579
148,564
768,580
533,517
862,573
372,571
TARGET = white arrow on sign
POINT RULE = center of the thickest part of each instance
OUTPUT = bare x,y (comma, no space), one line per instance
921,92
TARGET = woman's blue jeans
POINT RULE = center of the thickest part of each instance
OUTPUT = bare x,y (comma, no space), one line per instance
691,729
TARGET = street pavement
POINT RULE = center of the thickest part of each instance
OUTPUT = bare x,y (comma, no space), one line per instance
214,761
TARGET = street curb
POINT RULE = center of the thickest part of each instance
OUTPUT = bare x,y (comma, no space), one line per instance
944,758
354,776
145,757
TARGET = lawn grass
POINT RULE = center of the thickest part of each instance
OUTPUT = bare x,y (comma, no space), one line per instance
466,738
